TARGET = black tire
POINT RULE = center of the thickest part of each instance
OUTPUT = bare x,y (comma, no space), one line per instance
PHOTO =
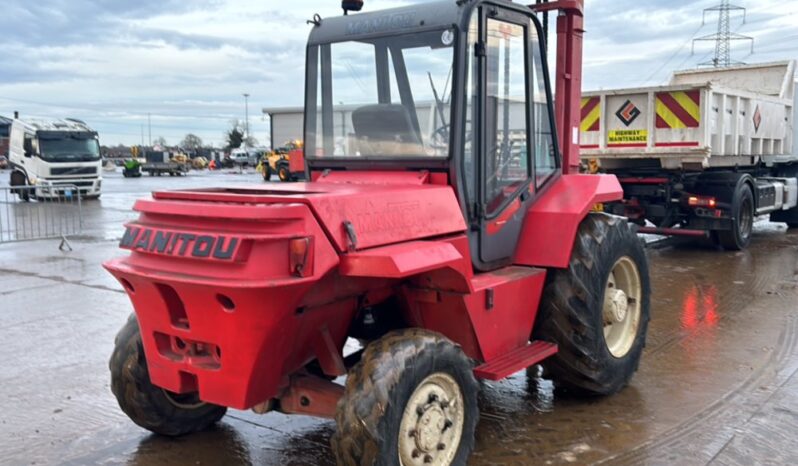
147,405
380,385
284,173
571,311
19,179
267,172
739,236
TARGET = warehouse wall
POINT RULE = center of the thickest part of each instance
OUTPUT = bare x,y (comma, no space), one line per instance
286,127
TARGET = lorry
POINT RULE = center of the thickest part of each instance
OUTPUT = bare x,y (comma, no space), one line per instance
5,131
421,246
702,156
50,158
160,162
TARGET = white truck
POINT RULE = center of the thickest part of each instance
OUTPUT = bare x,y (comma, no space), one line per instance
54,157
705,155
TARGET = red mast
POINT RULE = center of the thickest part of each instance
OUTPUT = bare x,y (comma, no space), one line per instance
568,88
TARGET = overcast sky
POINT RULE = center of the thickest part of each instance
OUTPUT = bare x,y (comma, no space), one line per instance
187,63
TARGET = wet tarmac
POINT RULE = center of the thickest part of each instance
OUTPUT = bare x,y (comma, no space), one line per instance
718,383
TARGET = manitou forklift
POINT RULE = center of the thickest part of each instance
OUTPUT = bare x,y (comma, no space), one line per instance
444,231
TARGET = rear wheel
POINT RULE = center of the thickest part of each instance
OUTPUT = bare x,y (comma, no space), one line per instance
267,172
151,407
597,310
739,236
411,400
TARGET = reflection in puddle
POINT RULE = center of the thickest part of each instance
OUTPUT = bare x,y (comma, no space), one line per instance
700,307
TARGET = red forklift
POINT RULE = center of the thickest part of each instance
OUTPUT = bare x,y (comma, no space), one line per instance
446,230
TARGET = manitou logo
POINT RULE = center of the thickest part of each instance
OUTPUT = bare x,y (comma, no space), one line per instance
172,243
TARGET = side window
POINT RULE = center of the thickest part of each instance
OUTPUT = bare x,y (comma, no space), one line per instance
506,122
546,160
28,146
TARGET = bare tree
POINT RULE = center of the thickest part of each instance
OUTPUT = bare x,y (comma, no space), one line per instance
191,142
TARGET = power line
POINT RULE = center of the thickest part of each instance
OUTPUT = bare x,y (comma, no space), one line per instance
675,54
106,110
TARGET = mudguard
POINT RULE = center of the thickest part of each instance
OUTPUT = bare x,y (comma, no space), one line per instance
552,222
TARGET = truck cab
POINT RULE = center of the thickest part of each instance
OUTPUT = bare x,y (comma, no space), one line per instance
54,157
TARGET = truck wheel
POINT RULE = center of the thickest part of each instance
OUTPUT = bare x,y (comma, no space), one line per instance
597,310
739,236
411,398
267,172
153,408
19,179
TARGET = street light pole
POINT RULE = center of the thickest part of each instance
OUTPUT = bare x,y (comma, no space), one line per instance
246,120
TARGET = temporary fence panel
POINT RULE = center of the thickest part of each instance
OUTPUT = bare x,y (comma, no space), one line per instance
33,213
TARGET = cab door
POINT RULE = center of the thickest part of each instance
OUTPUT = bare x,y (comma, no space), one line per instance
510,151
506,113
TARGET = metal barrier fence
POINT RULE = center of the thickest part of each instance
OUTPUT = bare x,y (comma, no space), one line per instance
32,213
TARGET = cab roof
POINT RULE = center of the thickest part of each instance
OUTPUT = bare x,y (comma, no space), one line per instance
55,124
413,18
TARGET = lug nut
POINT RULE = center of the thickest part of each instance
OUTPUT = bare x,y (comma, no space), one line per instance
420,410
415,454
413,433
446,425
441,446
428,459
444,404
433,398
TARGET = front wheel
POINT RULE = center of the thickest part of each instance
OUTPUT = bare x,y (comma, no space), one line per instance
597,310
284,173
411,400
151,407
267,172
19,179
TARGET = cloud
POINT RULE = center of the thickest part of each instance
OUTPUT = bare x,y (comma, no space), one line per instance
187,63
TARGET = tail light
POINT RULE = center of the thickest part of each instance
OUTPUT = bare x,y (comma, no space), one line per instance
301,256
702,201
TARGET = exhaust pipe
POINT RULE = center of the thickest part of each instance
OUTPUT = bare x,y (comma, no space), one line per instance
16,115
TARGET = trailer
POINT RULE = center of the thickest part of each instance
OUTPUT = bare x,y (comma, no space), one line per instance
160,163
702,156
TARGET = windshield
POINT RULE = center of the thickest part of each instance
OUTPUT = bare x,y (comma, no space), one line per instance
78,148
381,98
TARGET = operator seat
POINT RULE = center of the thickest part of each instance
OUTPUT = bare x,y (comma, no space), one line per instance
386,130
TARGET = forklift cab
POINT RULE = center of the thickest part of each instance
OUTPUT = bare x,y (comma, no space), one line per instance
458,88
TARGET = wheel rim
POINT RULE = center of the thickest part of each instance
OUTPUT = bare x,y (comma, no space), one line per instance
184,401
283,174
432,422
746,219
621,308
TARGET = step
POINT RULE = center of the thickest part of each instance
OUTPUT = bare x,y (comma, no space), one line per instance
515,360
